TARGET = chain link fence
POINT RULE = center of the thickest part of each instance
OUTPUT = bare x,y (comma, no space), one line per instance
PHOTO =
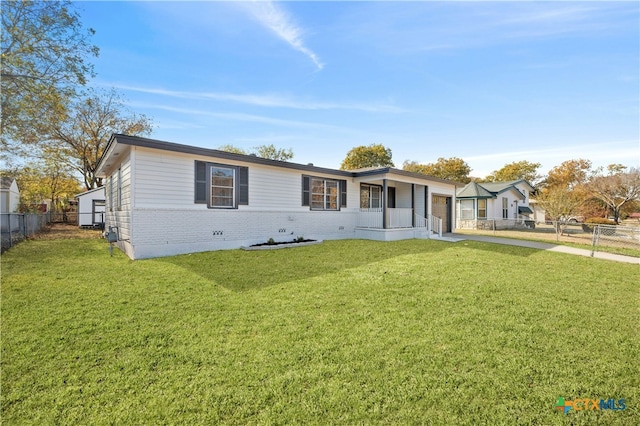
615,236
621,239
15,227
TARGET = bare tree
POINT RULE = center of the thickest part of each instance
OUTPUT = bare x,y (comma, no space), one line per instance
616,190
82,137
559,203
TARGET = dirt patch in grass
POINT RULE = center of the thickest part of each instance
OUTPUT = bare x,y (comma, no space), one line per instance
65,231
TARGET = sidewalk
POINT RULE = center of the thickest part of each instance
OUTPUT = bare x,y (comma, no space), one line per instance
546,246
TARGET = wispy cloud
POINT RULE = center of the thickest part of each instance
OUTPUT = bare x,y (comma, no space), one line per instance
447,26
234,116
263,100
276,19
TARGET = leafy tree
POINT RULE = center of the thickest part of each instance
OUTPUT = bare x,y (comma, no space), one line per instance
264,151
616,190
453,168
82,137
415,167
374,155
515,171
45,54
233,149
569,174
273,153
46,181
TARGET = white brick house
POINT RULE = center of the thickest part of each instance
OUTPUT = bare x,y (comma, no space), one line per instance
164,199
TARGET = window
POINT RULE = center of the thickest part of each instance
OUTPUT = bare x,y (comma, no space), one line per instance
324,194
505,208
223,193
221,186
482,208
466,209
370,196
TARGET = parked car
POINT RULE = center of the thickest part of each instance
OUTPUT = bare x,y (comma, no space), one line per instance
572,219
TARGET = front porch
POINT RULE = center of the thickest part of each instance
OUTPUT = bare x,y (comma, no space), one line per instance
392,224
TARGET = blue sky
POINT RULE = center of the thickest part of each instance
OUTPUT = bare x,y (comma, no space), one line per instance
489,82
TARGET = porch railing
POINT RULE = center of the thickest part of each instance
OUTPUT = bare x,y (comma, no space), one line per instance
370,218
421,222
400,218
436,225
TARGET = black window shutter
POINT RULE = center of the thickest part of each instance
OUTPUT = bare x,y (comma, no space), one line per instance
343,193
201,183
305,190
243,185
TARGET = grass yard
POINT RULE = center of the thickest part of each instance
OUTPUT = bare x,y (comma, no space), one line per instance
345,332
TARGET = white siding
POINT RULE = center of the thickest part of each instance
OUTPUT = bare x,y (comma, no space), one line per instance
167,181
419,194
119,216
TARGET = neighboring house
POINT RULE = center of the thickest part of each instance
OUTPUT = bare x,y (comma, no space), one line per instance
9,195
164,199
539,214
494,204
91,208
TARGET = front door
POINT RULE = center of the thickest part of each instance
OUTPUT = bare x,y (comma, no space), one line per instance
441,207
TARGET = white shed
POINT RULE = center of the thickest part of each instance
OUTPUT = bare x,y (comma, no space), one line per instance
10,195
91,208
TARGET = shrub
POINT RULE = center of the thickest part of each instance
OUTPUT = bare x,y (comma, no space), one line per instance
271,241
600,221
590,223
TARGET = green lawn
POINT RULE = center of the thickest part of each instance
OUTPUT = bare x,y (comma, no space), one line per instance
345,332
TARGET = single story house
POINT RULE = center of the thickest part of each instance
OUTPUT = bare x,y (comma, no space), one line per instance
91,208
484,205
164,199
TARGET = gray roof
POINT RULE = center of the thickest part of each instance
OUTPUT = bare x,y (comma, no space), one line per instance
491,189
309,168
474,190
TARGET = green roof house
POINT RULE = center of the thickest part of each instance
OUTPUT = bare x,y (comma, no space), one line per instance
494,204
